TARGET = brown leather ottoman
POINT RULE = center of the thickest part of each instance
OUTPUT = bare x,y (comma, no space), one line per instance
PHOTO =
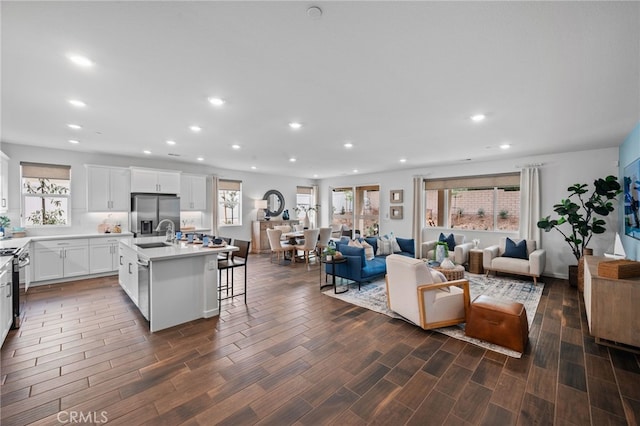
497,321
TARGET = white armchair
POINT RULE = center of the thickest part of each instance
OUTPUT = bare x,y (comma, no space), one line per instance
422,295
494,261
459,255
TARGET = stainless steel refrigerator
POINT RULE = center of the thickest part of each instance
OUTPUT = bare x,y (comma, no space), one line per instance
147,210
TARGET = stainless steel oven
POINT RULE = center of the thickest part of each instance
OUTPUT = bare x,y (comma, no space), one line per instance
19,269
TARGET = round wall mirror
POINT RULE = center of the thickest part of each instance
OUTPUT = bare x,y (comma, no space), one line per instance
275,202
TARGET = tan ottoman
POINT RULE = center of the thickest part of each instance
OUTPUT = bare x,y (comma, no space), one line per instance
499,322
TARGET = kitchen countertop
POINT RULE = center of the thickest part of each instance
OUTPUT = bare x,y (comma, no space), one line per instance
180,249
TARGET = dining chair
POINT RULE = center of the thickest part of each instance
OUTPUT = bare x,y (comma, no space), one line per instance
277,246
309,246
238,259
323,239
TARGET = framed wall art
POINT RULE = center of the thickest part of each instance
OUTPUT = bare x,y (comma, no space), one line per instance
396,195
395,212
632,199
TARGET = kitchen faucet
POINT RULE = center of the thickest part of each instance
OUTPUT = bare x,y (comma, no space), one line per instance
171,236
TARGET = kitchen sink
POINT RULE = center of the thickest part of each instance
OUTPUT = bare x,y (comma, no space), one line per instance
152,245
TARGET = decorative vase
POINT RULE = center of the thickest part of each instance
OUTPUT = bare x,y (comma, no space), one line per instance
285,215
440,255
586,252
447,264
573,276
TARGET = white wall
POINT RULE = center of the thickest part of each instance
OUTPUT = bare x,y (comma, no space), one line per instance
254,187
557,173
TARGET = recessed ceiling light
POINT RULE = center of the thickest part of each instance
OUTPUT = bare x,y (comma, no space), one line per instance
235,146
77,103
217,101
295,125
200,158
171,142
195,129
292,159
81,61
505,146
355,170
348,145
403,160
73,141
146,151
74,126
253,167
314,12
478,117
315,176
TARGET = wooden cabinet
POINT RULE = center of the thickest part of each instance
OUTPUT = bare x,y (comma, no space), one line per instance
475,261
108,188
56,259
6,300
103,254
4,183
193,193
259,240
611,306
155,181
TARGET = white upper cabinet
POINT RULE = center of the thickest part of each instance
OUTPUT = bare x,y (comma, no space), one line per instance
108,188
155,181
4,182
193,192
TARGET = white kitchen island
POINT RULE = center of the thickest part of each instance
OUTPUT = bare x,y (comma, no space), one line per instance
178,284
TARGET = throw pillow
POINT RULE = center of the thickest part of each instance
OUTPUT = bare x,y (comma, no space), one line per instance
368,250
394,243
355,243
515,250
384,247
450,240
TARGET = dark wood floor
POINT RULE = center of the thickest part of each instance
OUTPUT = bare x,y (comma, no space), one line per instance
295,356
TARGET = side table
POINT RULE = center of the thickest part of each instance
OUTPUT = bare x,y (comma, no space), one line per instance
475,261
333,263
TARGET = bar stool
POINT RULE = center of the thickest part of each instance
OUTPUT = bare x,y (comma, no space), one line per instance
237,259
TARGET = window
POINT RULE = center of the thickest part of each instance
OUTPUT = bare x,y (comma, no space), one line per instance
365,217
46,190
304,200
229,202
490,203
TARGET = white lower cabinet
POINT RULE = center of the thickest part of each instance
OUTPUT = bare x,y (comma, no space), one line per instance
103,254
6,301
60,259
128,271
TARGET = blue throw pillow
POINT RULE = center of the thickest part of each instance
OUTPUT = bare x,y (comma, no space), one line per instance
515,250
450,240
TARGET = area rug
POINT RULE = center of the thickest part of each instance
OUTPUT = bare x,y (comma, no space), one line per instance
373,296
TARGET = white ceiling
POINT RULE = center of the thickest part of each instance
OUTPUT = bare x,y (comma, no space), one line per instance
397,79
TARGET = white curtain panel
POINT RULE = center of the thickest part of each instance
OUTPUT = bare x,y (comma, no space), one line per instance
214,207
418,192
530,204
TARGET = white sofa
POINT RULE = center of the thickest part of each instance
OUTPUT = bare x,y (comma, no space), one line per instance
494,261
422,295
459,255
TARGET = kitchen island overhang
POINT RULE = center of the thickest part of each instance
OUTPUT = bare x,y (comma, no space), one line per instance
179,280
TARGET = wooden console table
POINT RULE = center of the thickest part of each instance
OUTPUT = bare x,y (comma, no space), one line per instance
259,240
612,307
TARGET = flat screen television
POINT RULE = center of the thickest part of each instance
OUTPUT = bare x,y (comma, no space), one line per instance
631,187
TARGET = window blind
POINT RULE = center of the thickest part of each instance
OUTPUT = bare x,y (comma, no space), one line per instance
485,181
45,171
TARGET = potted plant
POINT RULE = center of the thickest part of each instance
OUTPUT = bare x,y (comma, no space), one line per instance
441,251
582,212
4,222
